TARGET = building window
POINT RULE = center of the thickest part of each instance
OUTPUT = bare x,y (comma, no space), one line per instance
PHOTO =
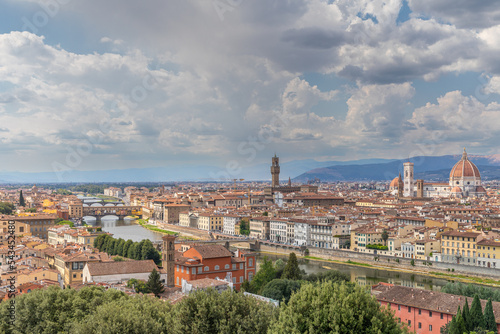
216,268
430,313
442,316
409,309
250,262
419,325
234,266
409,323
206,268
399,307
177,268
241,265
182,269
226,266
430,328
419,311
193,271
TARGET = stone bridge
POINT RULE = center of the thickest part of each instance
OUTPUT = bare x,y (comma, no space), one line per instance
98,211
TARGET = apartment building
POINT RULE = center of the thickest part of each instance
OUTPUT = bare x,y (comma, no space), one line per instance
260,228
488,253
459,247
210,221
229,221
277,230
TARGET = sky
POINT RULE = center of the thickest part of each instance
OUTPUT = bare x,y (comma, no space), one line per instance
112,84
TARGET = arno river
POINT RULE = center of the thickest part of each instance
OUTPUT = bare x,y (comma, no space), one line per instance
127,229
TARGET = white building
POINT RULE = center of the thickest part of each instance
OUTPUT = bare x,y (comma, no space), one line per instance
302,233
113,272
229,222
277,230
321,235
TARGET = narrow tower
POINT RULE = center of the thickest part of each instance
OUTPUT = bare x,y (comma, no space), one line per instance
168,258
275,171
409,182
400,186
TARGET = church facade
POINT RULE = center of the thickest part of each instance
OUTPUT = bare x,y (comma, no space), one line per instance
464,181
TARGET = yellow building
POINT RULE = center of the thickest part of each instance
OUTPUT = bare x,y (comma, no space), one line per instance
425,247
37,275
210,221
459,247
488,253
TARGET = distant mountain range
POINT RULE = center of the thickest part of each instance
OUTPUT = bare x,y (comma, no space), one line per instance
174,173
429,168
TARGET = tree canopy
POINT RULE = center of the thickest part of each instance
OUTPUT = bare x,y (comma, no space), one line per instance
292,270
6,208
281,289
331,307
226,312
154,283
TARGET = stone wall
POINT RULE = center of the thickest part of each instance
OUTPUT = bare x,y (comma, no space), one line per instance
344,255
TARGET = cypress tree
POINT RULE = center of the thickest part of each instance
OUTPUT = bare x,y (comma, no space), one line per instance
21,199
131,250
460,327
476,313
126,247
466,316
489,317
154,283
291,270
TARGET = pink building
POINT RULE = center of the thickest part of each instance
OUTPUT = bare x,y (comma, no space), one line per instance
424,311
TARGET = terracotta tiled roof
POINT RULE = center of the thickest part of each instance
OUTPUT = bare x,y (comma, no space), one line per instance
212,251
427,300
122,267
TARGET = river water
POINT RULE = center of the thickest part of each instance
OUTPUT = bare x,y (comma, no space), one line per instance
124,228
128,229
366,276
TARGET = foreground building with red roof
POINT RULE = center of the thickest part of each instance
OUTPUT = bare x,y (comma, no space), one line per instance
424,311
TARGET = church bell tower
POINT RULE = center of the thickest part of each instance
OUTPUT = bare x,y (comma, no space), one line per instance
168,258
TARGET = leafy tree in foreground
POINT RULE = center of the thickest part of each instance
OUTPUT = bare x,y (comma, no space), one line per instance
292,270
6,208
53,310
138,285
131,315
281,289
226,313
334,308
265,275
154,283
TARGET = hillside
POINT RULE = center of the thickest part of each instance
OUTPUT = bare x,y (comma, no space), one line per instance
430,168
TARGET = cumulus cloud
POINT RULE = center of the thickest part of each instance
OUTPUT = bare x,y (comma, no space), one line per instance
185,81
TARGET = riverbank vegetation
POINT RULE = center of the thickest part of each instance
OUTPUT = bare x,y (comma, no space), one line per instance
470,290
145,224
280,280
143,250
